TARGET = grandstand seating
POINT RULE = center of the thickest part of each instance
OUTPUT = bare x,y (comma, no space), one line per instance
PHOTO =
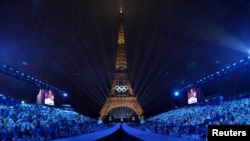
20,121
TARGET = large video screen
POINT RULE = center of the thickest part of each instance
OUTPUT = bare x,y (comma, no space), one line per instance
192,96
49,97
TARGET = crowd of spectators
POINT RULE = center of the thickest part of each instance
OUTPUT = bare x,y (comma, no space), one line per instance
22,122
19,121
192,121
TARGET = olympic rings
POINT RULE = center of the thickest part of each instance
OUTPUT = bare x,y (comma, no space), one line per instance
121,88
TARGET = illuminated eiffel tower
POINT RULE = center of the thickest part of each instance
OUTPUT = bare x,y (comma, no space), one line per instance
121,93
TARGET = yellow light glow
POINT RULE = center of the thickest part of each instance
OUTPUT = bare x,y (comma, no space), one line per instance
120,9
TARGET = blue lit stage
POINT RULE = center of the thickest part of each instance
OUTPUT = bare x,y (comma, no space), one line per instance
137,135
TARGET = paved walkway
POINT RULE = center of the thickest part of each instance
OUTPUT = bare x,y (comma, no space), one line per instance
143,135
149,136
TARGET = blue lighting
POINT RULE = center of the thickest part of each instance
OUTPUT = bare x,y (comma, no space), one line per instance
34,81
65,95
176,93
223,71
25,63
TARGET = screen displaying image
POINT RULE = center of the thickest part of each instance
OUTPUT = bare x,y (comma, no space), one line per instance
192,96
48,97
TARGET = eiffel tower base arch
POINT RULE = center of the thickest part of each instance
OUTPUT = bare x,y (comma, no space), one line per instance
114,102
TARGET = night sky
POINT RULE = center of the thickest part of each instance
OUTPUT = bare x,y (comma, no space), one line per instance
71,44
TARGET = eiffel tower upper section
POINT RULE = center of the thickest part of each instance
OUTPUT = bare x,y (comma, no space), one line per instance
121,60
121,86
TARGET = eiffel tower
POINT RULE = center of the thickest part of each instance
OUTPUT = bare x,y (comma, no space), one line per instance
121,93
